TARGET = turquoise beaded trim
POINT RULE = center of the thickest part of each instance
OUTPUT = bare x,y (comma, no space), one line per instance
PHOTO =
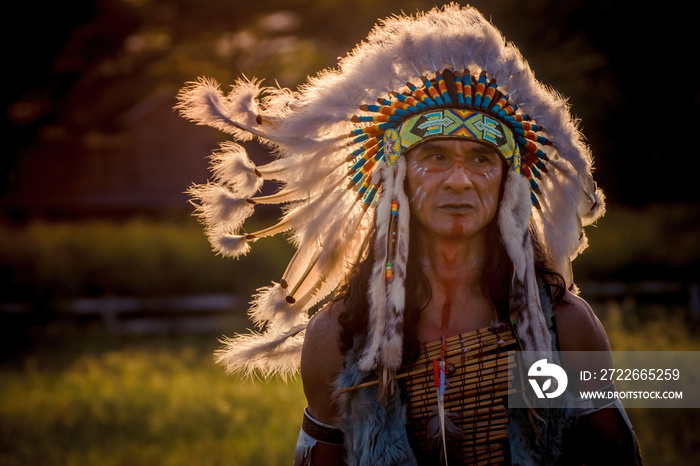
479,112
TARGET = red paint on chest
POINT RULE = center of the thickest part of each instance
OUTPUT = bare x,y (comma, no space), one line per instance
446,307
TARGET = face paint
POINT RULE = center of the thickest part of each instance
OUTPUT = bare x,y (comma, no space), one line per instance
454,186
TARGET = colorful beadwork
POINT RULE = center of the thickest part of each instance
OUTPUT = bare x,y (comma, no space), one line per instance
392,239
392,145
429,111
453,122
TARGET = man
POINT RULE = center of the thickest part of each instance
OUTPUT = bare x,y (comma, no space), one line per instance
445,230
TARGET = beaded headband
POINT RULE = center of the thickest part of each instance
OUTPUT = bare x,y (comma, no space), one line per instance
454,123
478,111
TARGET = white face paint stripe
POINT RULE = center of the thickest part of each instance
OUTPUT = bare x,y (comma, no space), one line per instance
416,193
420,201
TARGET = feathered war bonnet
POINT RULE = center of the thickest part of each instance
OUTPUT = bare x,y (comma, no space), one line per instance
337,144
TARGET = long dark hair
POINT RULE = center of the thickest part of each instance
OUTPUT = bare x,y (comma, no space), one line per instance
495,284
354,294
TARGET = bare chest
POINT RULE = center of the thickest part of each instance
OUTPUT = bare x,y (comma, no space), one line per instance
449,317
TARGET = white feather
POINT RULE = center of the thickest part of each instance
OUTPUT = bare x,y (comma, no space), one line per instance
229,245
232,167
242,103
392,348
263,354
377,287
514,219
334,262
270,305
204,103
219,208
323,269
513,222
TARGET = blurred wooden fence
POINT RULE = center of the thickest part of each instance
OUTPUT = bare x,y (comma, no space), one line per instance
155,315
174,314
646,291
220,312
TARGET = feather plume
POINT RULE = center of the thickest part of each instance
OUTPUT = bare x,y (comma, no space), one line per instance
292,192
232,167
514,224
279,227
219,208
392,348
204,103
309,278
273,170
396,288
274,304
563,235
593,206
270,304
242,104
229,245
303,169
536,326
440,427
514,218
312,219
335,261
377,288
283,196
265,354
332,259
325,268
444,437
344,235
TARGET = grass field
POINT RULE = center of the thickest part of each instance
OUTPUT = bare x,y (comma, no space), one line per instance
666,436
103,401
82,397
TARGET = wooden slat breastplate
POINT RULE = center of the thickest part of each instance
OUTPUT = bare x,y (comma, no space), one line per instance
475,397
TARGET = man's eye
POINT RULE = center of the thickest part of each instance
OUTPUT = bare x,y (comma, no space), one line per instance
482,160
437,156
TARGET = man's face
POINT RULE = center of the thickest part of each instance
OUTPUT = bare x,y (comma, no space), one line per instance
453,186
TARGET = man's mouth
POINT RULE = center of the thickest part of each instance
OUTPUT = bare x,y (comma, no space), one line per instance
456,208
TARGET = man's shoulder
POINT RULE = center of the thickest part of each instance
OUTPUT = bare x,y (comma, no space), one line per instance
324,327
321,361
321,354
578,328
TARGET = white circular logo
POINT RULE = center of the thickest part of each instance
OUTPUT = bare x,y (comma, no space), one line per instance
542,369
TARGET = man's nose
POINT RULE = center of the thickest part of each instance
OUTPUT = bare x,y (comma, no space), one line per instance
458,177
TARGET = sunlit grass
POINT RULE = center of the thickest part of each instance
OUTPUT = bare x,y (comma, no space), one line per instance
166,404
666,436
87,398
666,328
